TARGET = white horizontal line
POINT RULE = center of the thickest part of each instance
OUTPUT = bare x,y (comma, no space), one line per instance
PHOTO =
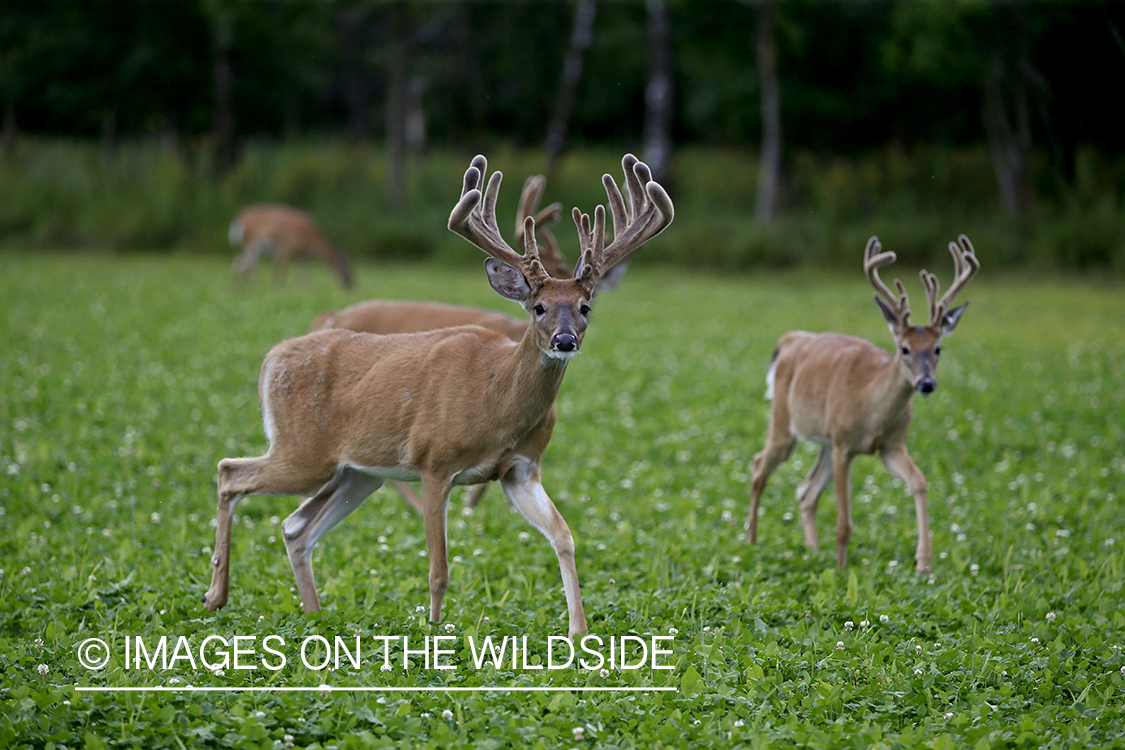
360,689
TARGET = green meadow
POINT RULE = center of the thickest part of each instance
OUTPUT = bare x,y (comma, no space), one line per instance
125,379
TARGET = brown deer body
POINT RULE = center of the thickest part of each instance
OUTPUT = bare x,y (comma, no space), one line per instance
346,411
853,398
286,232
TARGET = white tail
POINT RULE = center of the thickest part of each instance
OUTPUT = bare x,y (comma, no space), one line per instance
287,233
854,398
345,411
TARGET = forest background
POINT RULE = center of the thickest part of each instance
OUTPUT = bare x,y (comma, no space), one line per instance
787,132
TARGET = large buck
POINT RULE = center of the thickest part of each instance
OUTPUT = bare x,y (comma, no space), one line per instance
286,232
411,316
854,398
346,411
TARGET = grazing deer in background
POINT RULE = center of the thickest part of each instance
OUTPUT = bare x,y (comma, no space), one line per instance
287,233
854,398
406,316
345,411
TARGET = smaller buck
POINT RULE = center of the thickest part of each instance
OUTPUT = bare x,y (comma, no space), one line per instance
346,411
287,233
854,398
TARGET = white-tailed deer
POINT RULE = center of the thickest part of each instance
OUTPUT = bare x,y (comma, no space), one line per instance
287,233
345,411
407,316
854,398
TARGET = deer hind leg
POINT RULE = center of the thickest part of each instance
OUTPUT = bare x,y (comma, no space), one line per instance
899,463
435,501
239,477
779,444
841,468
524,488
342,494
808,494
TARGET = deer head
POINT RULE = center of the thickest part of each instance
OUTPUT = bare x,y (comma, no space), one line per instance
560,305
919,347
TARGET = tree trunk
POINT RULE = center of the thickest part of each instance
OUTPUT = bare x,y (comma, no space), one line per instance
396,103
225,150
769,167
1009,134
658,92
580,39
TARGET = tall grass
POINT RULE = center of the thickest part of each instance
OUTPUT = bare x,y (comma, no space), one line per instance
147,197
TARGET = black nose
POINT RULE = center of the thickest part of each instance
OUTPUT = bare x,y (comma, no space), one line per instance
564,342
927,386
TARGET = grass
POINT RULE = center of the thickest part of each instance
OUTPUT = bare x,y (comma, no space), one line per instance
126,379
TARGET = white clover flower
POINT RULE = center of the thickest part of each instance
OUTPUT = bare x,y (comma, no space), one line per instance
739,722
386,667
420,609
43,669
787,517
173,680
974,570
579,734
673,632
839,645
39,643
524,536
864,624
447,715
220,673
259,714
919,648
426,715
917,670
884,619
1035,640
261,617
449,627
604,673
848,625
1123,670
706,628
948,715
1050,617
155,518
324,690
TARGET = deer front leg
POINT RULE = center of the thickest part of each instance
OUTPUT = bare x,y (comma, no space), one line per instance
523,487
808,494
301,531
435,499
899,463
841,468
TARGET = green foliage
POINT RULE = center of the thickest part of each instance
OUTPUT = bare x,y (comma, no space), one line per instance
126,379
146,197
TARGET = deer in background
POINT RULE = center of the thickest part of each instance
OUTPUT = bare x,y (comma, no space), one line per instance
854,398
407,316
287,233
345,411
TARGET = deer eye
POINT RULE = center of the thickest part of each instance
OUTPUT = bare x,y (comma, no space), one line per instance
539,309
937,350
584,309
905,351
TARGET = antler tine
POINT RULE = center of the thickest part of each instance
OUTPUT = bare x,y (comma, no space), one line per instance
651,212
475,219
965,265
932,286
550,254
873,260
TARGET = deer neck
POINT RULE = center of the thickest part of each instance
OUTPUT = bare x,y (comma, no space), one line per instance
529,381
893,383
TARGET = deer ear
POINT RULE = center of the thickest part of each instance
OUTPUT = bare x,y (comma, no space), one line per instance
508,282
950,319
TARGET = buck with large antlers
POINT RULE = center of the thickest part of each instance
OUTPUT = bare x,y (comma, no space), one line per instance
345,411
408,316
286,232
854,398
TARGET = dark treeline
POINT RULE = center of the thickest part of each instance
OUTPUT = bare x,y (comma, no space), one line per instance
1032,84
